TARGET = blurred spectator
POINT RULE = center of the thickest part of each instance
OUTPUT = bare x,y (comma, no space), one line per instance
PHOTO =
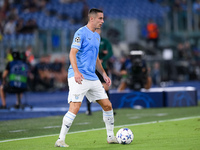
155,74
196,7
152,33
5,6
43,79
13,13
10,26
49,74
135,72
20,26
2,21
114,66
180,7
41,4
30,26
29,6
59,73
126,62
29,55
196,10
184,51
9,56
25,6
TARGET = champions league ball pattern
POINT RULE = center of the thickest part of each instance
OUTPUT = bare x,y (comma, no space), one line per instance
124,136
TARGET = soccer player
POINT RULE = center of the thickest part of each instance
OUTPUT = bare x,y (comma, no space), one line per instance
82,79
105,52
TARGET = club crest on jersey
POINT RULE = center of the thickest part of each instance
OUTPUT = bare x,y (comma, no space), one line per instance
77,39
76,96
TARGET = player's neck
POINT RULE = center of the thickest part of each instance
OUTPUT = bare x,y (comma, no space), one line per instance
90,27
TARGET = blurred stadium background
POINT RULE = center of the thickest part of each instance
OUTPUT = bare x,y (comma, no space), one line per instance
47,28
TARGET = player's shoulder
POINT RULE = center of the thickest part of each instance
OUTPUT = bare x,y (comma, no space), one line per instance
81,30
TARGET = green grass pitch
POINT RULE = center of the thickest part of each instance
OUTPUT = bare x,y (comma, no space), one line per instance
154,129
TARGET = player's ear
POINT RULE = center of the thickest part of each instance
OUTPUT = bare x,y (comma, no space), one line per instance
91,18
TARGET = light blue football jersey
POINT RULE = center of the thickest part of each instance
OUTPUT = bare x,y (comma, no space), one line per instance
87,42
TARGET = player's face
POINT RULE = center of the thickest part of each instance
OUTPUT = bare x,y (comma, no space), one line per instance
98,20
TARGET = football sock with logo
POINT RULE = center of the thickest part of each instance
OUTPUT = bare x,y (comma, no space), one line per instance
66,124
108,118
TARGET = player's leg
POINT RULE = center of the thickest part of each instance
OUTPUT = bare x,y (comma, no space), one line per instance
3,97
108,118
88,112
106,87
75,100
69,118
97,93
18,102
67,122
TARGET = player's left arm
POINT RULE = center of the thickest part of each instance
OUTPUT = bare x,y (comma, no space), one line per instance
100,69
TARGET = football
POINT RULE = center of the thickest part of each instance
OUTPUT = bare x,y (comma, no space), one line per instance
124,136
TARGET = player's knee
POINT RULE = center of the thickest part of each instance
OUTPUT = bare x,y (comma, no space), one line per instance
74,107
107,107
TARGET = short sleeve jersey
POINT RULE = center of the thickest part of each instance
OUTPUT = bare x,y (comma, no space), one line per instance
87,43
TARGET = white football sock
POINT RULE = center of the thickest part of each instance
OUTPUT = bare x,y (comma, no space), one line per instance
108,118
66,124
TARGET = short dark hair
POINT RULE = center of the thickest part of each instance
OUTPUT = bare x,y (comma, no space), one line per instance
16,55
94,11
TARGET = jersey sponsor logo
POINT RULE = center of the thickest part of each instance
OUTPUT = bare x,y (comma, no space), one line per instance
77,39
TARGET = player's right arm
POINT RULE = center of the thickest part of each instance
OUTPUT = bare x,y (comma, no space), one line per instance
5,74
75,47
72,56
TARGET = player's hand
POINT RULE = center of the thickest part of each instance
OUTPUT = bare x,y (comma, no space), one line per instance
107,80
105,52
78,77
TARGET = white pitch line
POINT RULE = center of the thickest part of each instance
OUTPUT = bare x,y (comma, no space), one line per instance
144,123
49,127
17,131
